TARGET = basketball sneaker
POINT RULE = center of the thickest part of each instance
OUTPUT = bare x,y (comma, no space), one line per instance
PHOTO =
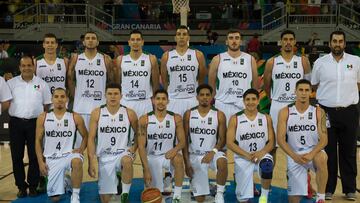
263,199
75,199
176,200
167,184
328,196
350,196
219,197
124,197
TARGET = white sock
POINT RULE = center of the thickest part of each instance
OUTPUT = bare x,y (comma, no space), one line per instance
125,187
76,191
320,196
177,192
220,188
264,192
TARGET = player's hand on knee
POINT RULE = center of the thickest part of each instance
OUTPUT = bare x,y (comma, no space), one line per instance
298,159
170,154
147,178
307,157
257,156
189,171
43,168
208,157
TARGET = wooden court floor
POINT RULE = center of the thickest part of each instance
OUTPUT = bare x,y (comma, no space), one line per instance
8,189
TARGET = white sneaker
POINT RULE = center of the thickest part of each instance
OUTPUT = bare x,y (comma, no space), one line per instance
75,199
219,198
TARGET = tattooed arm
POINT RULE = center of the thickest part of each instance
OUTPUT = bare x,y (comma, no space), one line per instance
322,131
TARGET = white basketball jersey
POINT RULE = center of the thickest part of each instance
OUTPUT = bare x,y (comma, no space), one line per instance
203,131
90,83
301,129
136,77
59,134
284,78
183,72
251,135
54,75
234,77
161,136
114,132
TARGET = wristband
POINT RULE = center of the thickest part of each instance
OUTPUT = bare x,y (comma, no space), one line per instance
215,150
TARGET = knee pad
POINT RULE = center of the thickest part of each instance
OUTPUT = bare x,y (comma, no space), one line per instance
266,168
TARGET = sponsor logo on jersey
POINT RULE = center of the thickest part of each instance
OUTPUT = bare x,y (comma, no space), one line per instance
231,74
98,62
242,61
298,128
202,131
279,63
59,66
141,94
108,151
88,72
127,61
113,129
156,136
190,88
178,68
66,122
139,73
49,79
254,135
226,59
121,117
81,59
293,113
194,117
152,123
209,120
189,57
310,115
142,62
174,57
285,97
245,121
105,115
260,122
54,133
167,124
42,66
97,95
238,92
50,120
288,75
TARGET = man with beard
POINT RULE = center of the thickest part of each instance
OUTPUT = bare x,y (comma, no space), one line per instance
87,77
230,74
337,77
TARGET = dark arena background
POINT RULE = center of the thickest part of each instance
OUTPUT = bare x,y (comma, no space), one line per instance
24,23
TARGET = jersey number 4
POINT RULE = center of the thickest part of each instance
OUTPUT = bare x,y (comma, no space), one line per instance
58,146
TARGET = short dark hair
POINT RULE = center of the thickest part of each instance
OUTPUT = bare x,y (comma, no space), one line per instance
91,32
136,32
113,85
50,35
302,81
184,27
204,86
233,31
287,32
337,32
251,91
29,56
59,89
161,91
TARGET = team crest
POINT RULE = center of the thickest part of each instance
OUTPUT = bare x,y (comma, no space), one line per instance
98,62
121,117
295,64
167,124
242,61
310,115
189,57
142,63
260,122
58,66
66,122
210,121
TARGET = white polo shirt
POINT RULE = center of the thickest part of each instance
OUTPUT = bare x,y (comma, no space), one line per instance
5,94
337,80
28,97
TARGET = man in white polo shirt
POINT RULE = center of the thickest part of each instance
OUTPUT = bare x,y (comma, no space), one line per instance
31,96
5,95
337,76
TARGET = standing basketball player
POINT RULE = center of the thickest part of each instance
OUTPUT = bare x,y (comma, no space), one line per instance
251,137
302,134
205,130
87,77
230,74
111,128
158,133
58,127
182,69
139,76
51,68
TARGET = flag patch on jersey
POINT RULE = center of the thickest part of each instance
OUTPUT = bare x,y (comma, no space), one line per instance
142,63
36,87
167,124
66,122
98,62
310,115
295,64
349,66
189,57
260,122
241,61
59,66
121,117
209,121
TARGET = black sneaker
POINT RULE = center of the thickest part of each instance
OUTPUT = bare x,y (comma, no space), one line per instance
33,192
22,193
